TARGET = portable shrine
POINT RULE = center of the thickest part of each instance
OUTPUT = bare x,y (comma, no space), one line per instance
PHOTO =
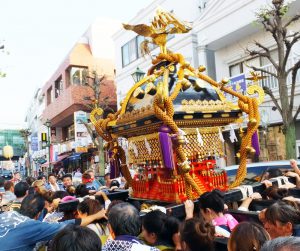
171,120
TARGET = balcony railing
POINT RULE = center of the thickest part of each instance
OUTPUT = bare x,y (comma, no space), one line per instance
271,81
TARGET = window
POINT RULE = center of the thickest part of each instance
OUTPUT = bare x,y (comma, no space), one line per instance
49,96
17,140
71,132
58,86
78,75
139,40
2,140
129,52
132,50
253,62
274,55
235,69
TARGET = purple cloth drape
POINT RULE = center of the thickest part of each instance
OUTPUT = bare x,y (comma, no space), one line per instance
255,143
166,147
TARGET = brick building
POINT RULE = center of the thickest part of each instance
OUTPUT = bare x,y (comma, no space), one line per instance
66,93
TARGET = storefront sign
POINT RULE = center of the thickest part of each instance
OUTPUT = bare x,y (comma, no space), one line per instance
34,143
82,137
80,149
238,84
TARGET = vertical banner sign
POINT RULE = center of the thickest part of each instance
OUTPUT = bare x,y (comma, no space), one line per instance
238,84
82,137
34,143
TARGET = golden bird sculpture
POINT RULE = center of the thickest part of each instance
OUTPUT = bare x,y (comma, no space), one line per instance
255,77
163,23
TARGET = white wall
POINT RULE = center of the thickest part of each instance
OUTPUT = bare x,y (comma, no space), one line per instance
182,43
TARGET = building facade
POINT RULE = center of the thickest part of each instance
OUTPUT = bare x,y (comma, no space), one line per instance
222,31
34,120
67,95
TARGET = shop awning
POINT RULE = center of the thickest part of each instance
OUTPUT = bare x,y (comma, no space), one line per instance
59,159
75,156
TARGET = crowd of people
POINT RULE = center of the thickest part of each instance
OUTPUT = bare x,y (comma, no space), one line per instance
44,214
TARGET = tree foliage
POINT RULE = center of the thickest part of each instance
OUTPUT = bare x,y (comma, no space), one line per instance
275,21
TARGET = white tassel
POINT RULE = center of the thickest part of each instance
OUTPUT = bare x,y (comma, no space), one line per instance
134,148
181,132
221,135
232,136
199,137
148,147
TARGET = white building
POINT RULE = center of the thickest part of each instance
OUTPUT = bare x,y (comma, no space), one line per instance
222,30
34,120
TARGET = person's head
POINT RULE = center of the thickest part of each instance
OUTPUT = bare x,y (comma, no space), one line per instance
211,204
67,180
81,190
60,194
107,179
71,190
271,173
247,236
91,173
43,178
107,176
282,244
30,180
74,238
114,183
52,178
2,181
280,218
39,186
88,207
274,193
197,234
32,205
124,219
21,189
17,175
9,186
157,227
86,178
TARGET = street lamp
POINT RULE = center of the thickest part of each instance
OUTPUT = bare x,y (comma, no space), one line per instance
48,124
138,75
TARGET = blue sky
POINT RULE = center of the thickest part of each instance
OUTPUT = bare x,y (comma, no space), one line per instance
38,35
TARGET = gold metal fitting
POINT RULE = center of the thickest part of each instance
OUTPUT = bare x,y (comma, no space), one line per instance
150,89
185,84
201,68
199,85
139,93
252,122
250,150
187,64
225,81
171,68
181,139
185,168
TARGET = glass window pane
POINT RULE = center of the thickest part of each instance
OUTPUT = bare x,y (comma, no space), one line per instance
132,50
139,40
77,75
234,70
252,62
125,54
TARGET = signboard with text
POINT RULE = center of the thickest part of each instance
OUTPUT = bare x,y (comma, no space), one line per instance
34,143
82,137
238,84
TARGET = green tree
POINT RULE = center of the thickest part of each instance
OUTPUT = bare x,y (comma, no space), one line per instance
275,20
